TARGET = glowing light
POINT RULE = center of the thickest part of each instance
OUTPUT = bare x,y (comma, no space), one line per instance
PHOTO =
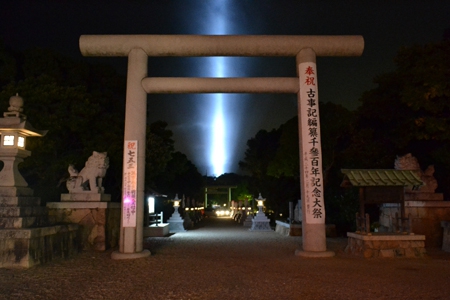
127,200
151,205
218,155
21,142
8,140
218,12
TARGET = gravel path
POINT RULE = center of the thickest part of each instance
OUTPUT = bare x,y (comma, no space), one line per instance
223,260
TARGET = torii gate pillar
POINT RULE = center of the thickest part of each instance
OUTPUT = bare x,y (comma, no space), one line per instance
131,229
311,177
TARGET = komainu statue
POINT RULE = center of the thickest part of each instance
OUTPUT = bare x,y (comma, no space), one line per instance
409,162
90,178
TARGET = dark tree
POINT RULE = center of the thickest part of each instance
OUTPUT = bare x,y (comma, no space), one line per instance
408,112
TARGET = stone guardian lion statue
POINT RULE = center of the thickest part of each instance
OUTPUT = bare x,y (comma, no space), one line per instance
90,178
410,162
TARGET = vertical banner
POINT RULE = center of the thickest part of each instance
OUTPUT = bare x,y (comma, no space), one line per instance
311,144
129,185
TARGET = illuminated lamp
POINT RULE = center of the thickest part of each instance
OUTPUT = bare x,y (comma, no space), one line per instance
176,202
151,204
260,201
14,129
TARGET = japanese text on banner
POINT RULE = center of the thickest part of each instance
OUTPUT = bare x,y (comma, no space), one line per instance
312,184
129,184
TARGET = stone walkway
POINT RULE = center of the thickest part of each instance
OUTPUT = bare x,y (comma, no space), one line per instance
223,260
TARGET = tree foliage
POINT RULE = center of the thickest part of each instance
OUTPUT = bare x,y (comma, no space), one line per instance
280,180
82,106
408,112
260,152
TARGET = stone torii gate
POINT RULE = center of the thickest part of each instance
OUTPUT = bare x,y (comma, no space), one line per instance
139,47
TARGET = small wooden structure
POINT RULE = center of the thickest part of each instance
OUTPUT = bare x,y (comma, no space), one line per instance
378,186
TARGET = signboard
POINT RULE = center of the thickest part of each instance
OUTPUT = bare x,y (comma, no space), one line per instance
311,155
129,185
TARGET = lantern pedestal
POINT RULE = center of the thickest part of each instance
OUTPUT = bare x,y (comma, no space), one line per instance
176,222
187,222
260,223
248,220
26,238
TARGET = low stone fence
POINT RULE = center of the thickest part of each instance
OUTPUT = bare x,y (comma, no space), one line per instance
27,247
385,245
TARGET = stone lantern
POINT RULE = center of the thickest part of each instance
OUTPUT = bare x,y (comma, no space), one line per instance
14,130
176,221
27,237
260,222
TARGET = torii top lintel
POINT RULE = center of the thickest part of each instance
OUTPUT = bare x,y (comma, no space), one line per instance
221,45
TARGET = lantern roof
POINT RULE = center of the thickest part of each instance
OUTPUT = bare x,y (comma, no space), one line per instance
380,177
260,198
15,121
15,124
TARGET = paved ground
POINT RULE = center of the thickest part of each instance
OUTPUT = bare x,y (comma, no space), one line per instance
222,260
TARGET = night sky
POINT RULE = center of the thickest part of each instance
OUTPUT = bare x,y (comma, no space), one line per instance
385,25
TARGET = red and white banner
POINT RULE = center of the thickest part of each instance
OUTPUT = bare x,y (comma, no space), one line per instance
129,185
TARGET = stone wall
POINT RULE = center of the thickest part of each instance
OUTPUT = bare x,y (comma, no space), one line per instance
426,218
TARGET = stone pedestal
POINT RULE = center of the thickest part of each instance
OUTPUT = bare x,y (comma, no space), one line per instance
446,236
187,222
156,230
176,222
85,197
260,223
282,228
386,245
248,220
238,216
99,221
26,237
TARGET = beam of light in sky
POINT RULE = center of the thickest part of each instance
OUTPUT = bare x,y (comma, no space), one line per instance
218,154
218,149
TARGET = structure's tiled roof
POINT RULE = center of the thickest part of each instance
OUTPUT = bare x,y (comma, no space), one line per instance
370,177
